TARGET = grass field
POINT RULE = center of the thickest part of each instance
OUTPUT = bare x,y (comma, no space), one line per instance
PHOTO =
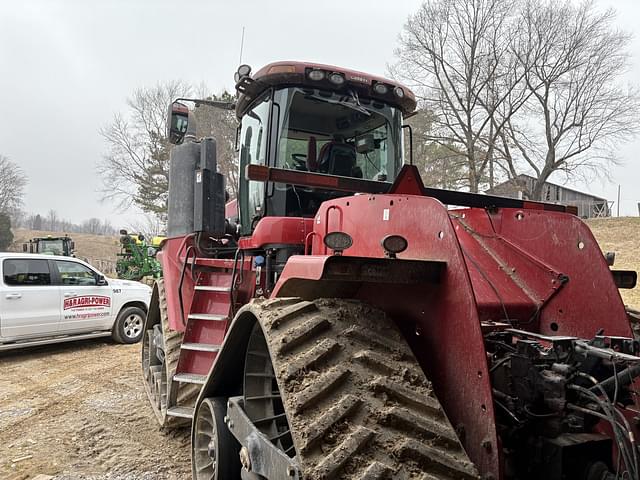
621,235
99,250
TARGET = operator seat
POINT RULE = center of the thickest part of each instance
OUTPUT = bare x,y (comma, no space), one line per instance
338,158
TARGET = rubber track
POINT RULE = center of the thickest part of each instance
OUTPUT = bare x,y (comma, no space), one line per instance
358,404
187,393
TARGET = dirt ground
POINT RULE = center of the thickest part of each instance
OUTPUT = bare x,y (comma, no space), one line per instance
621,235
79,411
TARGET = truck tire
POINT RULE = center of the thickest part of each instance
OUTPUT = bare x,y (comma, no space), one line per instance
129,325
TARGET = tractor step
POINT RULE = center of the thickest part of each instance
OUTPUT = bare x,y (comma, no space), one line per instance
182,412
200,347
207,288
190,378
208,316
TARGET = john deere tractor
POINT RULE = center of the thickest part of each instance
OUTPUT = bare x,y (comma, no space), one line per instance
136,259
51,246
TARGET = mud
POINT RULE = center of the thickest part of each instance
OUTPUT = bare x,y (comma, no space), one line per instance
79,412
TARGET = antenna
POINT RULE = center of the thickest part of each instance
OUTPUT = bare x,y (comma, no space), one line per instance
241,46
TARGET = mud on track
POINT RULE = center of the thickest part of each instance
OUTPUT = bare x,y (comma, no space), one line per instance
79,411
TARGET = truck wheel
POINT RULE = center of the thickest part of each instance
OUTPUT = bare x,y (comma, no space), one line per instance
129,325
215,453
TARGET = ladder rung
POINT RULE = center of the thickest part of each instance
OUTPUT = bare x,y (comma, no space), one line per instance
190,378
200,347
207,288
207,316
182,412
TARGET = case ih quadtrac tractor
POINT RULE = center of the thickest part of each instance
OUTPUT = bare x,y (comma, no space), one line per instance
343,321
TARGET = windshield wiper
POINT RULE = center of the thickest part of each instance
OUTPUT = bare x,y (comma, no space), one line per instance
342,101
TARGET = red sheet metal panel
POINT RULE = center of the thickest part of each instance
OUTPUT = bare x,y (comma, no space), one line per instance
440,321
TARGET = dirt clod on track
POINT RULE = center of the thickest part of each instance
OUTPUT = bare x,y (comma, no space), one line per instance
78,411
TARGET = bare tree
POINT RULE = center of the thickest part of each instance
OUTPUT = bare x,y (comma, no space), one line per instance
12,183
53,220
441,165
149,226
459,55
579,110
222,125
136,166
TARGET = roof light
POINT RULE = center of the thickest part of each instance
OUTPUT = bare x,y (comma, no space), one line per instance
399,92
394,244
380,89
338,241
336,78
282,69
316,75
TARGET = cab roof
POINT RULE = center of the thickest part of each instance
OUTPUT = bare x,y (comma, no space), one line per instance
296,74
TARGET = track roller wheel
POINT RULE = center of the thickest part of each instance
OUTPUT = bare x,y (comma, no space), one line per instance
215,450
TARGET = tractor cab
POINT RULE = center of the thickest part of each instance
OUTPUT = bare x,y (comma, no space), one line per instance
49,245
321,122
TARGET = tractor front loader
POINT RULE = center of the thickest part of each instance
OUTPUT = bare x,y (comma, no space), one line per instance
338,320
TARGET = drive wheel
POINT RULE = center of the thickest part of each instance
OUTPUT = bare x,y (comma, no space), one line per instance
215,451
129,325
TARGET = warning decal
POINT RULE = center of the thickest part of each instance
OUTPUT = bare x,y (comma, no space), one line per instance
87,301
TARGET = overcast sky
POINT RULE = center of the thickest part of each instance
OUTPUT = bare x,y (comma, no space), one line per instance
66,66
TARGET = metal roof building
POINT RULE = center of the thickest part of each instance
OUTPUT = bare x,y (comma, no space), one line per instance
589,206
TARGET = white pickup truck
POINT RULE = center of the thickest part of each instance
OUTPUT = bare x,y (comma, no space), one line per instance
49,299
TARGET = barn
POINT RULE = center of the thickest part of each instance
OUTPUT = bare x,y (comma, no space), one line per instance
589,206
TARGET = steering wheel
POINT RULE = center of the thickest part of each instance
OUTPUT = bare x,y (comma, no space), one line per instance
300,160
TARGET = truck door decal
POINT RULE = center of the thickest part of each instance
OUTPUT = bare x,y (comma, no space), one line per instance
86,306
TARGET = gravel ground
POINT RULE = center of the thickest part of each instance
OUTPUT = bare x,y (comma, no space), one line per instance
78,411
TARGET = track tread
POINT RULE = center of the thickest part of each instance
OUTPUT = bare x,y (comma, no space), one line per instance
331,465
187,393
376,471
303,332
312,357
358,405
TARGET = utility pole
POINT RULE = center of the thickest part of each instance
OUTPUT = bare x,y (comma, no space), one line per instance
618,200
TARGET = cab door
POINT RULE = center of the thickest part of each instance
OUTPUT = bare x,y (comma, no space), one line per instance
86,304
29,302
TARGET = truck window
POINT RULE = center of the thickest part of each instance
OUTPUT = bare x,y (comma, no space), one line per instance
72,273
25,272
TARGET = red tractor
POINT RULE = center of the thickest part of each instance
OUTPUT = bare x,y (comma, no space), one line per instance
340,320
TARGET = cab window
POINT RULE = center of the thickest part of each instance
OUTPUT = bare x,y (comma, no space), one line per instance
72,273
26,272
253,150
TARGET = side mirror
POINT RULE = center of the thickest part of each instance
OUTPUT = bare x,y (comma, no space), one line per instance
72,245
177,122
25,247
123,232
102,281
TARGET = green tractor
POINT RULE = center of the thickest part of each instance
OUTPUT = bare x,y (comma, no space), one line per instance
49,245
137,258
